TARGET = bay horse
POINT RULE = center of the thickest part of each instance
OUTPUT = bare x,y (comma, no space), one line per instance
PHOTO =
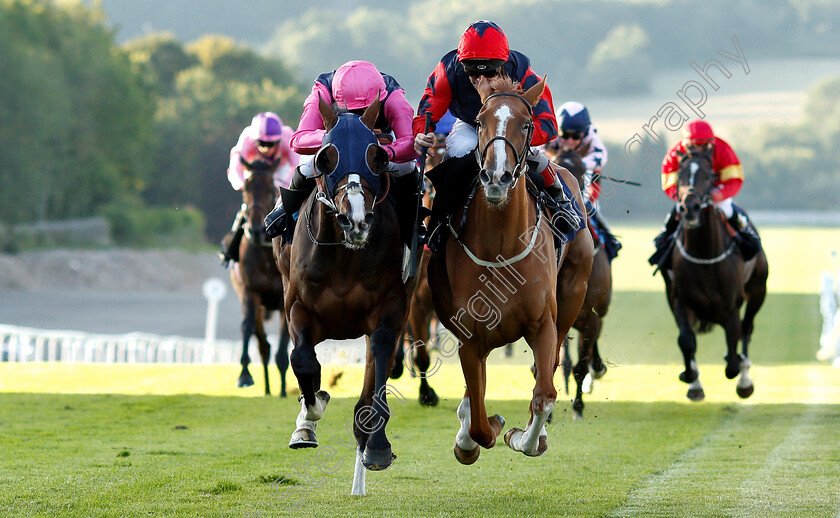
588,323
343,279
257,281
708,280
500,279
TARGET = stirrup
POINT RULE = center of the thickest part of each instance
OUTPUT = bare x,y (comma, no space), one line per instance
275,222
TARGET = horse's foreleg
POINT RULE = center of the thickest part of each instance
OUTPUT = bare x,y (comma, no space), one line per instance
264,345
307,369
421,361
373,419
480,429
533,440
686,341
733,335
282,356
248,327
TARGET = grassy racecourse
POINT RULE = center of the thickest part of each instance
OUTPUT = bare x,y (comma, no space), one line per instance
167,440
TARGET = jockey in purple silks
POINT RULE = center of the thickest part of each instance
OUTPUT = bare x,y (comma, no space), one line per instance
264,145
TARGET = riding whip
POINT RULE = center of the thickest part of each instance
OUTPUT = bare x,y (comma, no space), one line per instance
413,257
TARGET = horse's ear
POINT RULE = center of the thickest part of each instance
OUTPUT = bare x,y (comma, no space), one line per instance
379,160
371,112
533,94
484,88
327,113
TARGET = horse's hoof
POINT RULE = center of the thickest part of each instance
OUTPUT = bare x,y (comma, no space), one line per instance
542,445
688,376
497,423
732,372
283,393
303,438
429,398
599,373
467,457
577,416
245,381
509,435
745,392
377,460
696,394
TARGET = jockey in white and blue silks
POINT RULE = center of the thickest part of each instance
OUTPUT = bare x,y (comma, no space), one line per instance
577,134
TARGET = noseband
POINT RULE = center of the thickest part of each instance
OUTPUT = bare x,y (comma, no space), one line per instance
520,155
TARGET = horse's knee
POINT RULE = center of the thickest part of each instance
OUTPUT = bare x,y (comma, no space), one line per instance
303,360
687,342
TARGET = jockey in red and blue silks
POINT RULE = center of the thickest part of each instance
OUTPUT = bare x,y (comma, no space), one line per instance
353,86
262,146
698,136
483,51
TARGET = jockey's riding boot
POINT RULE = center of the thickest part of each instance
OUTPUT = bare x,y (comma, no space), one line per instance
406,193
230,243
453,178
565,219
663,241
289,202
611,244
748,240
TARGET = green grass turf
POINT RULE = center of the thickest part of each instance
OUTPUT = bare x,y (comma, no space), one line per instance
109,455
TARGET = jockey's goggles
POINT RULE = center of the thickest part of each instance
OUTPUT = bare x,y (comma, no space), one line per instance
484,67
573,135
266,143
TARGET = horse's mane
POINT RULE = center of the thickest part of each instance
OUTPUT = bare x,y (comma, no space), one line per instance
503,84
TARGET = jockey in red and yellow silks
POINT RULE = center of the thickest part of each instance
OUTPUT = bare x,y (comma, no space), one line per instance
698,136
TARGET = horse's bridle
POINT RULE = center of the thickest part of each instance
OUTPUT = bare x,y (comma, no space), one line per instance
526,148
246,226
322,196
705,198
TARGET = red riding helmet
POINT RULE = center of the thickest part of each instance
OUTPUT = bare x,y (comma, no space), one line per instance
698,131
483,40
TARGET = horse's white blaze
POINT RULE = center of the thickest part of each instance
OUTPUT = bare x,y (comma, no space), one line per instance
499,148
693,167
358,476
356,199
588,383
463,439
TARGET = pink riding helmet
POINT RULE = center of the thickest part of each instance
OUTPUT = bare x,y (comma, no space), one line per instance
356,83
266,127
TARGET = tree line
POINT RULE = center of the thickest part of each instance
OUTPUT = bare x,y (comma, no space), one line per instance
141,131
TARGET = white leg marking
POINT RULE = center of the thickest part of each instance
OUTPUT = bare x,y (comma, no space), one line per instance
463,439
744,381
359,473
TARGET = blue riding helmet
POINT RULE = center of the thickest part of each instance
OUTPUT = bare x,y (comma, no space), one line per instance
351,138
573,116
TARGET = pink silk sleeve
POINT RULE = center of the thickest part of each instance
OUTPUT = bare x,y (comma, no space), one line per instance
236,172
400,114
307,139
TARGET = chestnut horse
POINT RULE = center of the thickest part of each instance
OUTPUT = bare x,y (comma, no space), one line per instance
589,366
497,280
257,281
709,281
343,279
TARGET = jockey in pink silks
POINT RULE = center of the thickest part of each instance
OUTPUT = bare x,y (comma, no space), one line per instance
352,87
264,145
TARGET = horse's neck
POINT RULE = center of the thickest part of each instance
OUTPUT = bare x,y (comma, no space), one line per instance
707,239
491,231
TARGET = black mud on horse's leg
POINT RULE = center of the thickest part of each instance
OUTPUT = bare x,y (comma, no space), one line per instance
687,342
420,359
377,454
306,368
248,327
733,335
282,356
399,357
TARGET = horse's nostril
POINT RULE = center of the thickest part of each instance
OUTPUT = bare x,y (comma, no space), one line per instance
344,221
484,176
506,179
